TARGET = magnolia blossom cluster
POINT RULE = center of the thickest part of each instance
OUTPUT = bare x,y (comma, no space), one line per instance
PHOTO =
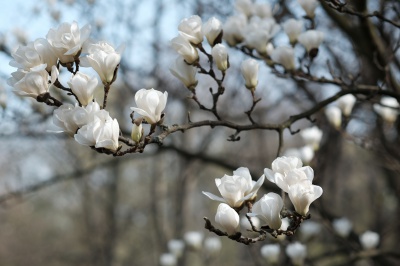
254,28
388,109
311,138
341,108
38,65
193,241
188,44
296,252
90,124
287,173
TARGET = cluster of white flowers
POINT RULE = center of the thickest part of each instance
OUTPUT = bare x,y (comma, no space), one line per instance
341,108
188,43
287,173
296,252
254,28
69,46
311,138
388,109
192,241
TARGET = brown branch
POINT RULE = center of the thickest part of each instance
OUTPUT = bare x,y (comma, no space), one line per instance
343,8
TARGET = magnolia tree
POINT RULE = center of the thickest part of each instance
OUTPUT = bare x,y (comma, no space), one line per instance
265,37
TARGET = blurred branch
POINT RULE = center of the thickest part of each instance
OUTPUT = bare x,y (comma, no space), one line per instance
344,8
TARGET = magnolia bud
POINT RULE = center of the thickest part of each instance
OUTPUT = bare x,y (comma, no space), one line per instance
346,103
284,55
220,55
271,253
190,29
311,40
185,73
176,247
213,31
369,240
194,240
227,218
212,245
293,28
342,226
388,109
167,259
250,73
309,7
137,130
334,116
297,253
185,49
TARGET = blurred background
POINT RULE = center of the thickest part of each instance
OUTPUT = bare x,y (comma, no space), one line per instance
63,204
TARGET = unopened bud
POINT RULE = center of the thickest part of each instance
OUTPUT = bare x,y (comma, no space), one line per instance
137,130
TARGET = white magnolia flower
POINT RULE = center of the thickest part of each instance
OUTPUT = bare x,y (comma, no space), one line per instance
245,7
287,171
212,245
267,24
342,226
245,224
63,117
284,55
258,39
293,28
346,103
150,104
227,218
107,134
168,259
194,239
271,252
234,29
34,54
297,253
309,7
212,29
183,47
185,73
305,153
236,189
176,247
249,70
70,118
369,240
262,10
190,29
270,48
309,229
67,40
83,87
220,56
311,39
35,82
103,58
19,75
334,116
268,210
101,132
388,109
312,136
302,193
